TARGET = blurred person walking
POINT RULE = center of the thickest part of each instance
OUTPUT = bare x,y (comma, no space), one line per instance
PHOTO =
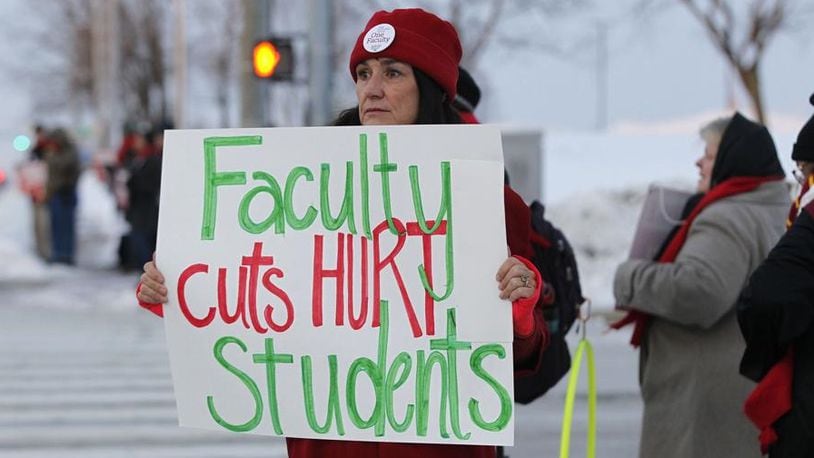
131,156
32,178
144,189
683,303
62,159
467,98
776,317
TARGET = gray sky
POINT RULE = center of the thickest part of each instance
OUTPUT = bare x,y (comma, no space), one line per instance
659,68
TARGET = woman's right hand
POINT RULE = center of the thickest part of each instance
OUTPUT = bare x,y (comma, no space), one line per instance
152,290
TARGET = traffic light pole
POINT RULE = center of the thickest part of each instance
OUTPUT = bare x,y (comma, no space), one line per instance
107,86
320,74
180,64
254,93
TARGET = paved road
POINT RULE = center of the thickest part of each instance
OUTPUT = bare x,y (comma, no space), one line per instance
82,378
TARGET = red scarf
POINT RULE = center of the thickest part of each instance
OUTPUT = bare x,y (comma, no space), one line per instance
771,398
729,187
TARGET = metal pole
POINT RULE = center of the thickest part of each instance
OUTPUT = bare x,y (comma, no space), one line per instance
601,75
254,93
180,59
105,62
320,68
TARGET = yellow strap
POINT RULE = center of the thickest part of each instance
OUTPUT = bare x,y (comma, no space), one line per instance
568,415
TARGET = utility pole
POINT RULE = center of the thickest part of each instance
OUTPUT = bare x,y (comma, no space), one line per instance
601,75
254,93
105,67
180,61
320,68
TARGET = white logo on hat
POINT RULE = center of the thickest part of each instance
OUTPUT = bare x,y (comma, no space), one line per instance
379,38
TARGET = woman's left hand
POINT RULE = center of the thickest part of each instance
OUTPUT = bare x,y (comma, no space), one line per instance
515,280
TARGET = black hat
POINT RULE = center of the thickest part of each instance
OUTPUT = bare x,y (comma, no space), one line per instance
746,150
804,148
468,91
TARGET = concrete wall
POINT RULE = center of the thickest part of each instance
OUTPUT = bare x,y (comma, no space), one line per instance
523,159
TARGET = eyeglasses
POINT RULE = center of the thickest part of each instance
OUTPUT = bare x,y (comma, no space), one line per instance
799,176
804,172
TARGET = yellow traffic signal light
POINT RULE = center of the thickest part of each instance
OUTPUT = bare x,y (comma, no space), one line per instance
273,59
265,59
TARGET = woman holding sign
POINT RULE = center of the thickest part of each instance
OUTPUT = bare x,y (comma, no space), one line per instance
683,303
405,67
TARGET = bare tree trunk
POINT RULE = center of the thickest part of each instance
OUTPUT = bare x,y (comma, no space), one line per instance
751,82
766,18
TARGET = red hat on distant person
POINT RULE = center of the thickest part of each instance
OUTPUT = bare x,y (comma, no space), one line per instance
416,37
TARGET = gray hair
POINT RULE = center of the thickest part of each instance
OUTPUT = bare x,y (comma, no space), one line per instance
714,131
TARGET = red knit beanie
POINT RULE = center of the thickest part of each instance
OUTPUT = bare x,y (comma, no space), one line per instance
413,36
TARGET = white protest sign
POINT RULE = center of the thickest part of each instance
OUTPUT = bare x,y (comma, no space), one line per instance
661,212
298,263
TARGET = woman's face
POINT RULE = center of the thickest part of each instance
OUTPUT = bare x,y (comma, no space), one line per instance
705,164
387,92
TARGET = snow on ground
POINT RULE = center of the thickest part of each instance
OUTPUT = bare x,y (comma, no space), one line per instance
594,186
99,227
599,224
94,282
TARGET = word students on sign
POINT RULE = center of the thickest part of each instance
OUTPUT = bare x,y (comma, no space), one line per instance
338,283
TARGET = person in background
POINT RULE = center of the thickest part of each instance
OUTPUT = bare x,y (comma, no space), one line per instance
62,159
144,189
413,81
776,317
683,303
33,175
467,98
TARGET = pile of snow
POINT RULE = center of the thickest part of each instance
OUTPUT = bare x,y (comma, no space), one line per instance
577,162
20,266
779,124
99,225
600,225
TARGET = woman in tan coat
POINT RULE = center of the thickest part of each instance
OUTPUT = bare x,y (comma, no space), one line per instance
683,302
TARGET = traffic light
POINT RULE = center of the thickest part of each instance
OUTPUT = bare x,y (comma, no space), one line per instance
273,58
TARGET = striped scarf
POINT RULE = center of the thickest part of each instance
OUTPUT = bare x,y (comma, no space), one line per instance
804,198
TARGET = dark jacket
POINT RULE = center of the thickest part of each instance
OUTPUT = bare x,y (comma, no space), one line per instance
776,311
63,171
144,186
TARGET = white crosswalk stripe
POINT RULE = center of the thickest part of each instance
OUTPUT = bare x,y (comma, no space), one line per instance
97,384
